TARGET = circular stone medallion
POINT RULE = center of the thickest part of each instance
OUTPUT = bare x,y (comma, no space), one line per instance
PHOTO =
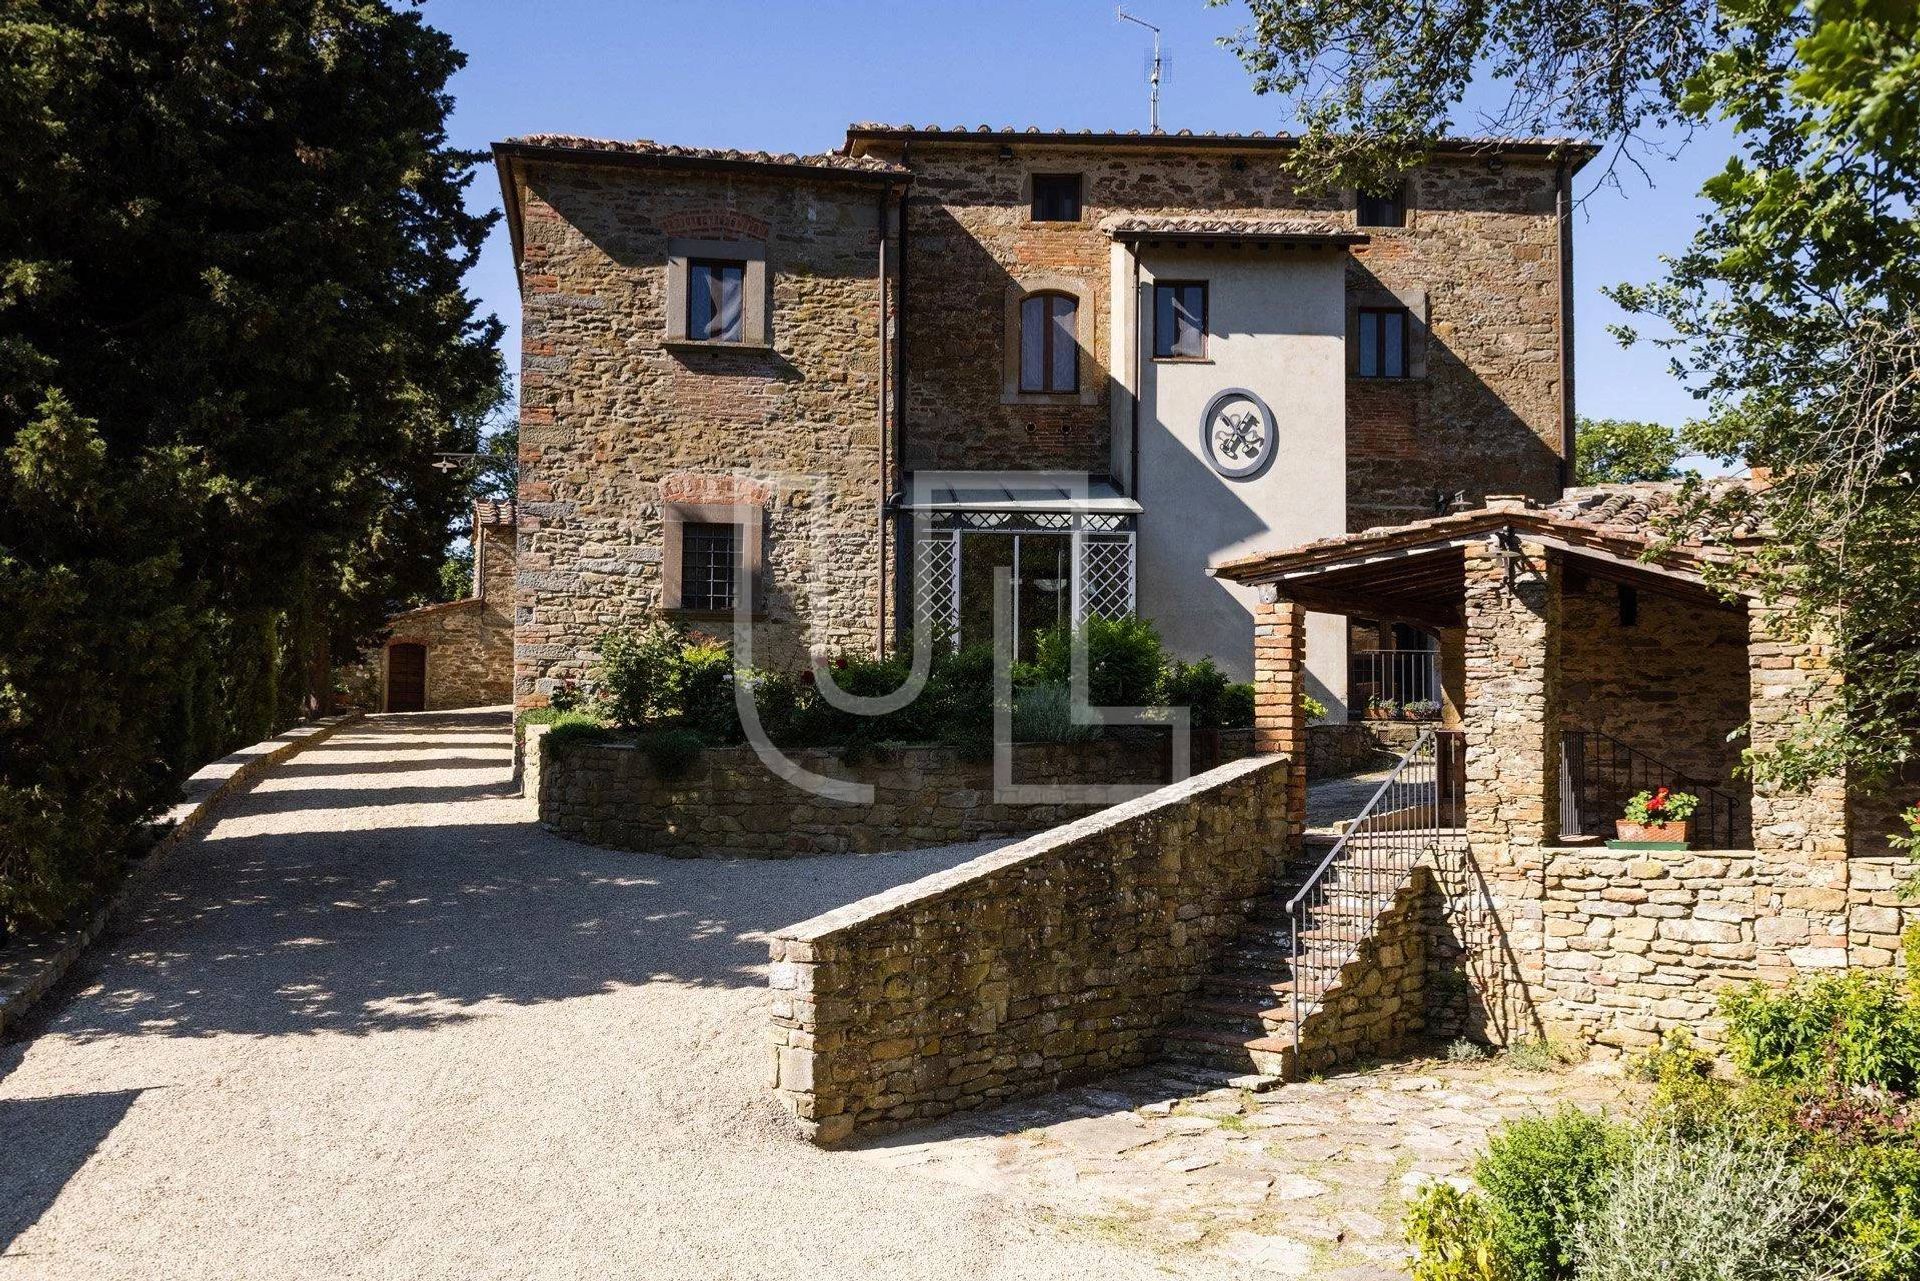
1237,433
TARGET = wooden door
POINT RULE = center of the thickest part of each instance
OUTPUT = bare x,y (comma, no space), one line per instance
406,678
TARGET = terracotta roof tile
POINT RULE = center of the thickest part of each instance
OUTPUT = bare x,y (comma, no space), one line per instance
495,511
646,147
1037,134
1253,227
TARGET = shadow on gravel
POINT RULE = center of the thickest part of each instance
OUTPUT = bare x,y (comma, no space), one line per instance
66,1130
364,929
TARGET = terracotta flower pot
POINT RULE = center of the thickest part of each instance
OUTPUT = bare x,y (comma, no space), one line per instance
1675,833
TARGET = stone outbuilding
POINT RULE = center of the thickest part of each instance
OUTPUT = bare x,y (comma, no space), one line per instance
1587,659
454,653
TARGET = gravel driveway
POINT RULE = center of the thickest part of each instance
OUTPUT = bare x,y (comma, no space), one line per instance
375,1023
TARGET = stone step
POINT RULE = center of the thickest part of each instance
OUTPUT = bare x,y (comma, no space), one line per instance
1265,1055
1253,1018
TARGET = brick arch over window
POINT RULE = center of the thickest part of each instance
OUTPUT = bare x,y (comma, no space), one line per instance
1041,300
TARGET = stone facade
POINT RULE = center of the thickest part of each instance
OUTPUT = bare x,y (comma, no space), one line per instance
1052,961
1356,746
618,422
1480,255
729,806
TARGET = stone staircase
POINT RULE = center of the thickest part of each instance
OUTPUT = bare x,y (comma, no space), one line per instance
1241,1022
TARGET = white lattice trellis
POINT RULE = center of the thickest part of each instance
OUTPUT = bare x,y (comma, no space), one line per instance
1105,571
936,578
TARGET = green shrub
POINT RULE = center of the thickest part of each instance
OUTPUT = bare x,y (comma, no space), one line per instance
1314,708
1538,1054
567,723
671,752
1043,713
1452,1235
1717,1206
1854,1028
1125,661
1883,1220
637,673
1541,1177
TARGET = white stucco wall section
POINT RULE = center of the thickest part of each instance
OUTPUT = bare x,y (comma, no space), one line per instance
1277,327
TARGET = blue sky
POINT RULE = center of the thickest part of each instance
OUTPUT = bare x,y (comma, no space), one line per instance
790,76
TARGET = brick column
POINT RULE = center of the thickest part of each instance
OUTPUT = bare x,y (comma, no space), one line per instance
1279,691
1800,838
1513,774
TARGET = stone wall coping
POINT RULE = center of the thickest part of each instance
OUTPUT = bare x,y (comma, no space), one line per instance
1033,848
31,964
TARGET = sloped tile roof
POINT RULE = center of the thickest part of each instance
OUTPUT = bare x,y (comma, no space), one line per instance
1125,228
869,129
1625,519
647,147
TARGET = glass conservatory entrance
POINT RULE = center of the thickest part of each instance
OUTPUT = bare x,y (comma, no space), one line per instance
1069,555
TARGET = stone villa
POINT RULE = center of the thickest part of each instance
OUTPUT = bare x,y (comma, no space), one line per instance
1323,438
862,381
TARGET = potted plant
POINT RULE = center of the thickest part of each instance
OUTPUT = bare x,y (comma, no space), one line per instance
1382,709
1422,709
1658,820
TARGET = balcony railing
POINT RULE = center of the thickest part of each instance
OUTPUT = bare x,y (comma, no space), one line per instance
1394,680
1599,774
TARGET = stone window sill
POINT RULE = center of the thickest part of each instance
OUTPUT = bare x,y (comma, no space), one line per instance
707,344
1182,360
1378,378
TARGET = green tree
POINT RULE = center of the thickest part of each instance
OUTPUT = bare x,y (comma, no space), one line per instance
232,334
1614,451
1793,312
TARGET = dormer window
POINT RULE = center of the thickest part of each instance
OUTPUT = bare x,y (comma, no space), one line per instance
1056,197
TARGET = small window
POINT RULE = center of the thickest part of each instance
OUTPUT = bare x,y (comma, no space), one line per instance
1179,319
709,561
1382,210
1049,349
1383,342
715,292
1056,197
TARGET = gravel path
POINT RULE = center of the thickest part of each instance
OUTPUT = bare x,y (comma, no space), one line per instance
375,1023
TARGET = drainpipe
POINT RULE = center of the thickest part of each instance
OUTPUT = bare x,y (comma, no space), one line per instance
1563,203
902,529
1139,376
880,338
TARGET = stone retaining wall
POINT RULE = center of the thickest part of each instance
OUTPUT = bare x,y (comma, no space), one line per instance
1049,962
1358,746
730,805
30,965
1377,1005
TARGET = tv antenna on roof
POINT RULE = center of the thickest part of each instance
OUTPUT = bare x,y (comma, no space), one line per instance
1154,69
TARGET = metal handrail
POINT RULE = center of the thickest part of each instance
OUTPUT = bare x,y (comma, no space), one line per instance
1627,770
1379,850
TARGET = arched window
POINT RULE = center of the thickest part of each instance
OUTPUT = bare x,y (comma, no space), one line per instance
1049,348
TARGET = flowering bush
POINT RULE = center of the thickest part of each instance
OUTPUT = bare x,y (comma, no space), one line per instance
1662,806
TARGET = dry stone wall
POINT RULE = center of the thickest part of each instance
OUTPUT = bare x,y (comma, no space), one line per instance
729,805
1049,962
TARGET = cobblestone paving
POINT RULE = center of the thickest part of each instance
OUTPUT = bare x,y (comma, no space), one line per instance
1307,1181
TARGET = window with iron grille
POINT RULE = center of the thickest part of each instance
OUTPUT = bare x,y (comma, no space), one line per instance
1056,197
1179,319
709,562
1049,345
715,292
1383,342
1381,210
